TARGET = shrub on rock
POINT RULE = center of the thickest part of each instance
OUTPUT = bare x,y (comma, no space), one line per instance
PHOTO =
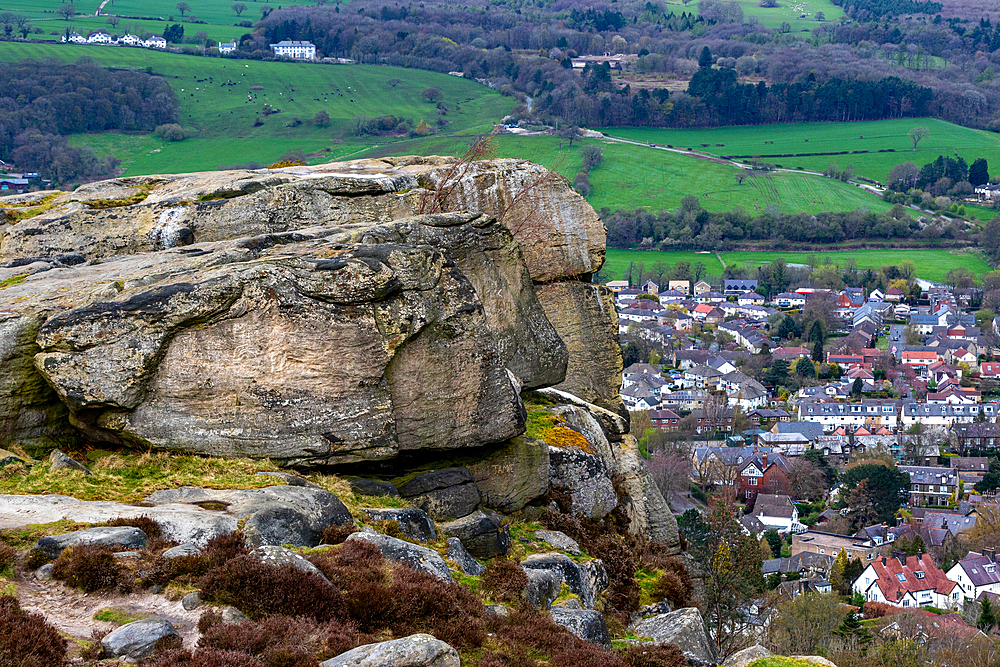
260,590
654,655
504,580
282,641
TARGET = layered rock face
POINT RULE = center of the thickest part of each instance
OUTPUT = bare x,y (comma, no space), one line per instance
302,314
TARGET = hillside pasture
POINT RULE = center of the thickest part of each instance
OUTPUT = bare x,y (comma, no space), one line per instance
632,176
217,101
932,263
873,136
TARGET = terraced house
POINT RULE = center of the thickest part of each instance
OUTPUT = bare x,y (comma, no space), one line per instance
910,581
930,485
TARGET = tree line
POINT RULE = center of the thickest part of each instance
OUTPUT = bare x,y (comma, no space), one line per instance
43,101
691,227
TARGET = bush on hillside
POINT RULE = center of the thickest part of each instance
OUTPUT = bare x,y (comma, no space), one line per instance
26,640
654,655
144,523
91,567
281,641
259,590
172,132
504,580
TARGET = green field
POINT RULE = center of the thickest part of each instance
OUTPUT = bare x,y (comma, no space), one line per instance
932,264
944,139
632,176
223,117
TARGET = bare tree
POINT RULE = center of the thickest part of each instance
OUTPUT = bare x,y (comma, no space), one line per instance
671,471
183,7
239,8
66,10
916,134
113,21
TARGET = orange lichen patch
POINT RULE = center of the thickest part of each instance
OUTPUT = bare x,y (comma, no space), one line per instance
550,429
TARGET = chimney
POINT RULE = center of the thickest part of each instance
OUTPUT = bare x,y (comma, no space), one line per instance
765,461
944,524
883,560
990,552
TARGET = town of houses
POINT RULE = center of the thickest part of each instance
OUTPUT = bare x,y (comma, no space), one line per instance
748,432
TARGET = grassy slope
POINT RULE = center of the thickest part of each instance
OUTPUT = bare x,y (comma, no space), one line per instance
632,176
944,139
220,113
932,264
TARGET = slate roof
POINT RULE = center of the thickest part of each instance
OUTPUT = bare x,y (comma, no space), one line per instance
810,430
773,505
976,568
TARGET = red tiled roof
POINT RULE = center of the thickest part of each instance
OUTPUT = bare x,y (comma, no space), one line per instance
893,589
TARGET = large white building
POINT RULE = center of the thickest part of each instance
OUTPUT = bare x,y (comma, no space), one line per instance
914,581
976,574
295,49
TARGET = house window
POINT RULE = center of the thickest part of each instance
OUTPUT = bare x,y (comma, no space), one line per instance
901,577
822,551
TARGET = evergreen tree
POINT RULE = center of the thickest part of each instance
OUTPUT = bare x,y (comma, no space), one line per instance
916,547
817,351
840,586
705,59
774,541
987,619
851,627
857,387
804,367
779,372
979,172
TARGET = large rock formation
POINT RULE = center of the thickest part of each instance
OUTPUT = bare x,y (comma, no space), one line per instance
331,314
295,313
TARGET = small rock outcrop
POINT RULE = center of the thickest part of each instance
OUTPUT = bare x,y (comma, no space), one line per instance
120,536
276,555
417,650
686,629
413,523
543,586
279,514
587,624
746,656
137,639
587,580
586,479
458,553
513,475
484,534
559,540
444,494
60,461
414,555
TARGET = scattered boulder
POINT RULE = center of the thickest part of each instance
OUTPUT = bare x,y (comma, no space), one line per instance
372,487
413,523
233,615
290,479
416,556
559,540
498,610
686,629
186,549
746,656
443,494
543,587
180,522
137,639
484,534
119,536
9,457
586,479
417,650
44,572
587,581
60,461
513,475
815,659
279,514
587,624
191,601
275,555
458,553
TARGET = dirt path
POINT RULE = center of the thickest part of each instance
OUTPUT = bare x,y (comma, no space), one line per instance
72,611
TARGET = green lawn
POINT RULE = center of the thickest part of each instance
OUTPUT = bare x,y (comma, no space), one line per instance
944,139
215,12
223,117
932,264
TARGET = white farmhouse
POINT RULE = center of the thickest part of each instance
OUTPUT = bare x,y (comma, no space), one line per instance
295,49
976,574
155,42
